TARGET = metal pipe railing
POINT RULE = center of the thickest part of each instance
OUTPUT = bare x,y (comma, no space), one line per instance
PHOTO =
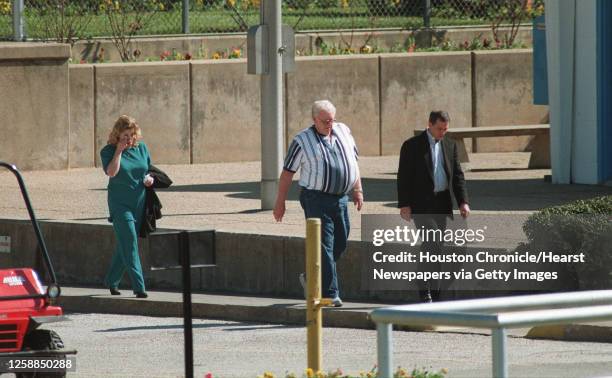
518,311
35,225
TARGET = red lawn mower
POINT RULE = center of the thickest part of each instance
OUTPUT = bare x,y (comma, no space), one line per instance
25,304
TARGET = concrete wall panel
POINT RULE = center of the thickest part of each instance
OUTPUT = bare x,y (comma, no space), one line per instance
350,82
504,96
81,152
157,95
35,105
413,85
260,259
225,115
458,36
245,263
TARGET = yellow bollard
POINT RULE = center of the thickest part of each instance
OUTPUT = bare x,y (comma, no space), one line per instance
314,302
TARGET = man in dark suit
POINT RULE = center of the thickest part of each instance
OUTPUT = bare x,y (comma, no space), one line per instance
429,173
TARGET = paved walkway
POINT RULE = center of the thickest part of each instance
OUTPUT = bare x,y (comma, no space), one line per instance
226,197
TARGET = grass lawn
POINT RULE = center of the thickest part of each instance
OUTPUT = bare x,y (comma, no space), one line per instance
221,20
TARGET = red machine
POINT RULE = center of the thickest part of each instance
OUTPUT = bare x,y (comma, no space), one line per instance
25,304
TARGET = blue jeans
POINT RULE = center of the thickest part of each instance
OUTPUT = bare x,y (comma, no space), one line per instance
335,226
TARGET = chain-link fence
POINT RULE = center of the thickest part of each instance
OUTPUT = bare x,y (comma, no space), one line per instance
68,20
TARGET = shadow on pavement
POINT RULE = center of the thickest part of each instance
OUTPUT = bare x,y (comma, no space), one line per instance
495,195
230,327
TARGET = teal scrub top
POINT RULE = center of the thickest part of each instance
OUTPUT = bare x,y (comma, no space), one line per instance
126,191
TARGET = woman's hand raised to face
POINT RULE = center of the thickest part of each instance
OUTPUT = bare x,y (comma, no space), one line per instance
124,142
122,145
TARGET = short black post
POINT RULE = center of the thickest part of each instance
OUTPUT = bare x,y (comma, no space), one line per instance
187,316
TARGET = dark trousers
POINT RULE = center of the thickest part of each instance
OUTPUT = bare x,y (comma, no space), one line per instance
434,218
333,212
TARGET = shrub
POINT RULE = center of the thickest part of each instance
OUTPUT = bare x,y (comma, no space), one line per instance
62,21
583,226
5,7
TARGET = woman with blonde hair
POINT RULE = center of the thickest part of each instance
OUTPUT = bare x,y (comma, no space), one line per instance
126,162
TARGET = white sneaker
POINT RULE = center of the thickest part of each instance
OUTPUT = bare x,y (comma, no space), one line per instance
337,302
302,278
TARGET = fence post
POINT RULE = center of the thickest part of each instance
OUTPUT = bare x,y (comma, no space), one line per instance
18,29
187,310
384,345
185,27
426,13
314,318
500,364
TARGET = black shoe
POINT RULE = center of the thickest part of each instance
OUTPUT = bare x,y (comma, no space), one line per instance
142,295
435,295
425,296
114,291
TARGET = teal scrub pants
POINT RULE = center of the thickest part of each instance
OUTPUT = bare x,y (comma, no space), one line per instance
126,256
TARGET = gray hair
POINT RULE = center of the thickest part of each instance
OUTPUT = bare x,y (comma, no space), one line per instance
320,105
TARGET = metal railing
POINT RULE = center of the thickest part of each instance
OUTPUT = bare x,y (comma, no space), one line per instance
497,314
65,20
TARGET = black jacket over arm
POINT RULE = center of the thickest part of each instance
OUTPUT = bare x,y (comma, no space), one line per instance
153,206
415,182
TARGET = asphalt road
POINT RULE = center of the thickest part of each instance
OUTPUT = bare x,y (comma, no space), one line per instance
138,346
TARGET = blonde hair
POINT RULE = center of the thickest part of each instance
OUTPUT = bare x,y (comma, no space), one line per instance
125,122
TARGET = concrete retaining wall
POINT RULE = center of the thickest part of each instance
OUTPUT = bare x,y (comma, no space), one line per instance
208,111
245,263
102,50
35,107
504,96
306,43
81,253
157,95
225,112
351,83
413,85
82,116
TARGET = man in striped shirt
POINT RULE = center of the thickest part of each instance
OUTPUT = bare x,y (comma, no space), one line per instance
326,155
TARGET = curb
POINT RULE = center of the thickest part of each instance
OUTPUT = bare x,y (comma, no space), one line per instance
293,313
276,313
572,332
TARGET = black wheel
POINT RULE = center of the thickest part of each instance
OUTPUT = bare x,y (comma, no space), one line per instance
41,340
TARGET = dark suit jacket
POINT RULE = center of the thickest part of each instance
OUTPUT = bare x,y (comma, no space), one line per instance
415,183
153,206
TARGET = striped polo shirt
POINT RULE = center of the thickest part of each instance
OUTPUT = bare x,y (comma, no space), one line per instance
330,167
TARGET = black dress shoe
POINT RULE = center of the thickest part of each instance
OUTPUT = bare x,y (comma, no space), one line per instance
114,291
142,295
435,295
425,296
